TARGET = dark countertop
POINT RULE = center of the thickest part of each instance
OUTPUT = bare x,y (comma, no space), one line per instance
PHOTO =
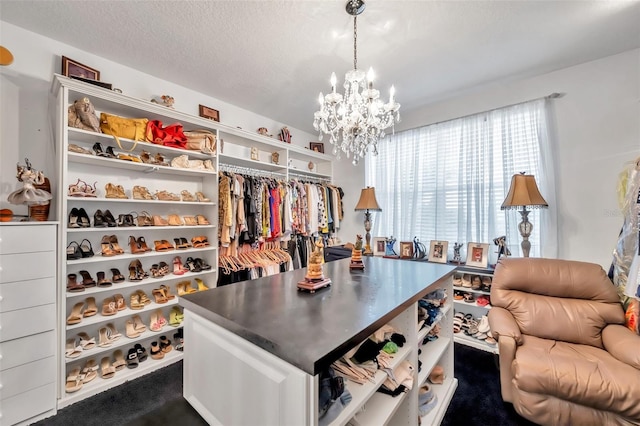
311,331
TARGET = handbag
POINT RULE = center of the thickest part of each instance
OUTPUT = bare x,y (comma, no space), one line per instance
171,135
201,140
120,127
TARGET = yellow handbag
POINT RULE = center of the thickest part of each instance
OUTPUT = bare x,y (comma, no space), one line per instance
120,127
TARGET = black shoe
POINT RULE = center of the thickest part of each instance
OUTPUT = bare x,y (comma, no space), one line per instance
98,219
74,219
110,152
97,148
108,217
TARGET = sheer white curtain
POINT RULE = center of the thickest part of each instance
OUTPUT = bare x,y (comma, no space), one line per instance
446,181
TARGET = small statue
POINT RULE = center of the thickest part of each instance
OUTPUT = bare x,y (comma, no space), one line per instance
456,252
164,100
356,254
264,132
389,250
285,135
275,157
503,250
316,259
29,194
358,244
419,250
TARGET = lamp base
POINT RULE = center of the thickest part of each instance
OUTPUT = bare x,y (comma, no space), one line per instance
525,227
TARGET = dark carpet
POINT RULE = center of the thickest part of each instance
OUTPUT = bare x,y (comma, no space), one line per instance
156,399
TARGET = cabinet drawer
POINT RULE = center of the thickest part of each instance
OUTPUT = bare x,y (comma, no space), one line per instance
25,294
25,377
27,349
26,322
29,404
27,266
27,238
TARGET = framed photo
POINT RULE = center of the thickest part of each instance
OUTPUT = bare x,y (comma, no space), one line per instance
379,246
438,251
406,249
477,255
316,146
71,68
210,113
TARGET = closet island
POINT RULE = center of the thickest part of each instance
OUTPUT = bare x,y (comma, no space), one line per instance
255,348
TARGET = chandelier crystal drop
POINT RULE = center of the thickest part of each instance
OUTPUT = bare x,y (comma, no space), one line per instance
356,121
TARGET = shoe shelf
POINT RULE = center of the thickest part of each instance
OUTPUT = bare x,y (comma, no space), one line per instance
444,392
473,305
89,138
100,351
125,313
470,290
135,229
154,176
431,354
148,255
362,393
99,384
92,291
422,333
133,200
133,166
475,343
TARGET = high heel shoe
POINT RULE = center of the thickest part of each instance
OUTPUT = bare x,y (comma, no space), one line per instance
99,220
143,244
166,291
114,244
83,218
117,276
200,196
76,190
159,221
135,247
85,248
76,314
202,220
201,286
130,330
111,191
120,303
144,219
107,250
74,220
175,317
73,286
191,264
190,220
159,296
87,281
178,269
174,220
109,152
108,217
133,272
103,281
92,308
202,264
109,307
187,196
97,148
167,196
141,193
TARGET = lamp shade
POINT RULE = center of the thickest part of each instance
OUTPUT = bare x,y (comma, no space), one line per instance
368,200
523,192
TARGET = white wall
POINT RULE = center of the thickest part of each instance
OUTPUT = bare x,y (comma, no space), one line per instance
24,90
598,131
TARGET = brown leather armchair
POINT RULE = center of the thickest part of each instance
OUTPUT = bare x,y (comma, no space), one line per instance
565,356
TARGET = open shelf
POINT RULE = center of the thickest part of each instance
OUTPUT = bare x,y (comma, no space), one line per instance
475,343
444,393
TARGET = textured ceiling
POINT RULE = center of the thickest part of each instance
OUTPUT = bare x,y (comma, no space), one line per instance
273,57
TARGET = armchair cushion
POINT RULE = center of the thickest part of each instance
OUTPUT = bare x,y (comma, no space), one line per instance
574,372
623,344
502,323
557,299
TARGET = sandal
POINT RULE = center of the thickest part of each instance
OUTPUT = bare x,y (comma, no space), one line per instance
190,220
143,244
92,308
159,221
187,196
145,219
202,220
103,281
132,358
118,360
86,249
76,314
109,307
134,301
200,196
73,286
201,286
156,351
74,381
167,292
157,321
143,298
174,220
77,149
202,264
466,280
175,317
107,371
86,342
165,344
89,371
159,296
104,341
138,325
130,330
179,340
71,349
141,352
117,276
162,245
87,281
73,251
112,332
142,193
468,298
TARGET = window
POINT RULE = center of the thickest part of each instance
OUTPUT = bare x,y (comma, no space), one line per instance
447,181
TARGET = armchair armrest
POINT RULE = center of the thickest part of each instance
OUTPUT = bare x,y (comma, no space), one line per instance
622,344
502,323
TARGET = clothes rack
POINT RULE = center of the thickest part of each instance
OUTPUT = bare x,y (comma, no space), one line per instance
249,171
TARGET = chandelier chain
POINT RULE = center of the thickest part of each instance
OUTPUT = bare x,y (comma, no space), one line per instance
355,42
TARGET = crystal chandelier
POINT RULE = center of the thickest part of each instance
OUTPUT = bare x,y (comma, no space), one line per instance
357,120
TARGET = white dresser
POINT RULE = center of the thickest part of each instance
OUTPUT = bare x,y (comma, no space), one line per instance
28,366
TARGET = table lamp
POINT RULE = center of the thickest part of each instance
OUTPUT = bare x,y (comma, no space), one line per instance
524,193
368,202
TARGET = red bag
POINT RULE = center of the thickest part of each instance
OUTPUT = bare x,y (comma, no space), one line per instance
171,135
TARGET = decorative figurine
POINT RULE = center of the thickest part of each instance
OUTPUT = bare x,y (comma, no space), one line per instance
419,250
254,153
275,157
264,132
456,252
164,100
285,135
315,278
356,254
311,166
503,250
389,250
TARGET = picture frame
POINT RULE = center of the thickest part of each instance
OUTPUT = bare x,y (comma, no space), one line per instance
209,113
406,249
379,246
477,255
317,147
71,68
438,251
